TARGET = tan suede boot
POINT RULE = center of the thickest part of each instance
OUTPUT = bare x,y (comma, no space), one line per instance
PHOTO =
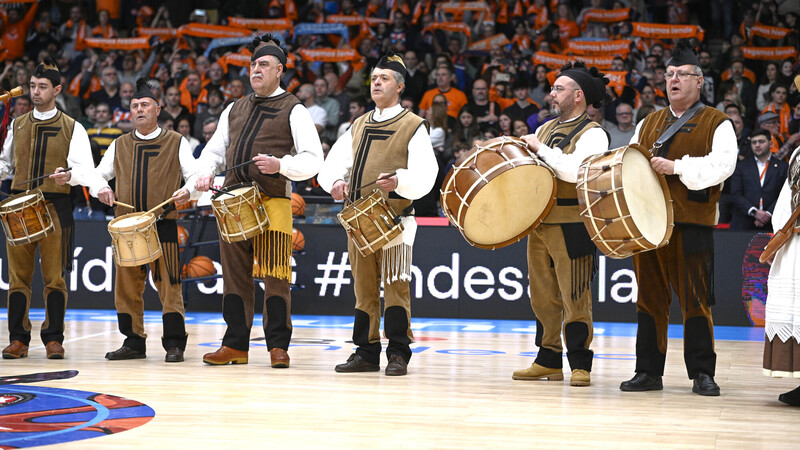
580,377
537,372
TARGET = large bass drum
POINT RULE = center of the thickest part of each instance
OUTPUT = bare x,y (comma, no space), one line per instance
625,204
497,192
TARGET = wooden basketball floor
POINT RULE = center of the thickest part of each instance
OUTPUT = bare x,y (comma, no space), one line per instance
458,393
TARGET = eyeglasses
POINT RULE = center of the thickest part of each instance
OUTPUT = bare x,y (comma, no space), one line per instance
560,89
681,75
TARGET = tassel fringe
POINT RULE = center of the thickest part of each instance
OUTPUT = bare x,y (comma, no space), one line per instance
272,253
396,263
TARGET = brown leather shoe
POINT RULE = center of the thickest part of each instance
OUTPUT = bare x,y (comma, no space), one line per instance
124,353
54,350
355,363
279,358
225,355
15,351
397,366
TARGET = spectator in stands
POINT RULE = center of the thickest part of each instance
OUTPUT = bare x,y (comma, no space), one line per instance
22,78
520,127
523,106
190,96
541,86
755,185
622,132
102,131
768,79
184,126
104,28
74,31
330,106
173,107
778,105
771,122
67,103
357,108
15,30
505,125
598,116
209,126
307,94
22,105
484,111
214,107
335,92
417,76
215,78
711,78
237,89
110,92
455,98
466,128
643,112
745,88
648,97
121,115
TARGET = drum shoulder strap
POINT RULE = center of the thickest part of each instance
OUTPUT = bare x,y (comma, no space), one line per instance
669,132
564,142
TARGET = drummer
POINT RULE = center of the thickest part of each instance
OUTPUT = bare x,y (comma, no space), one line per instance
388,140
271,121
695,161
57,141
149,165
561,255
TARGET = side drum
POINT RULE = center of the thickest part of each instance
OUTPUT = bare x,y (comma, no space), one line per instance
370,222
625,204
498,192
26,218
134,239
240,212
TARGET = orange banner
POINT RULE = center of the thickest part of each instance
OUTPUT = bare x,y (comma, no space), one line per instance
663,31
164,33
212,31
118,44
616,79
260,24
769,53
607,15
458,27
353,21
234,59
453,7
330,54
485,45
555,61
619,47
769,32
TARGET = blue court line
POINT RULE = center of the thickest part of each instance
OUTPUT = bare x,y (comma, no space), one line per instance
418,324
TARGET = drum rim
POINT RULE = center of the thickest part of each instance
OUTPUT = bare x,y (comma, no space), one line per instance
226,190
38,196
116,228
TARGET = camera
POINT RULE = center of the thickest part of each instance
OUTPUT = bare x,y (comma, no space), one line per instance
502,77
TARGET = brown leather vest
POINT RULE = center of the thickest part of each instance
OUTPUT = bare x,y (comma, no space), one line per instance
693,139
566,208
41,146
381,147
147,171
260,125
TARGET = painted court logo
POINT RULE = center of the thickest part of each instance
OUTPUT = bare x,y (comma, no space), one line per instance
31,416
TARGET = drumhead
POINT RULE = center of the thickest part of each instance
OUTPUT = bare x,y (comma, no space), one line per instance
505,208
131,221
644,196
234,193
18,200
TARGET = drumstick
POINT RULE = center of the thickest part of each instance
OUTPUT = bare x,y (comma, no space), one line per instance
124,204
388,175
44,176
236,167
160,205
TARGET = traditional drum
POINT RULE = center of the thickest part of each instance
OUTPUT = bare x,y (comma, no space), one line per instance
240,213
370,222
134,239
25,218
498,192
626,205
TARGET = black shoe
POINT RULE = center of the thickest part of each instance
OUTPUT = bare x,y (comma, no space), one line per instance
124,353
642,382
356,363
705,385
174,354
397,366
791,398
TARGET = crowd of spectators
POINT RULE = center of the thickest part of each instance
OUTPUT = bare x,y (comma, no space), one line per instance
476,70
